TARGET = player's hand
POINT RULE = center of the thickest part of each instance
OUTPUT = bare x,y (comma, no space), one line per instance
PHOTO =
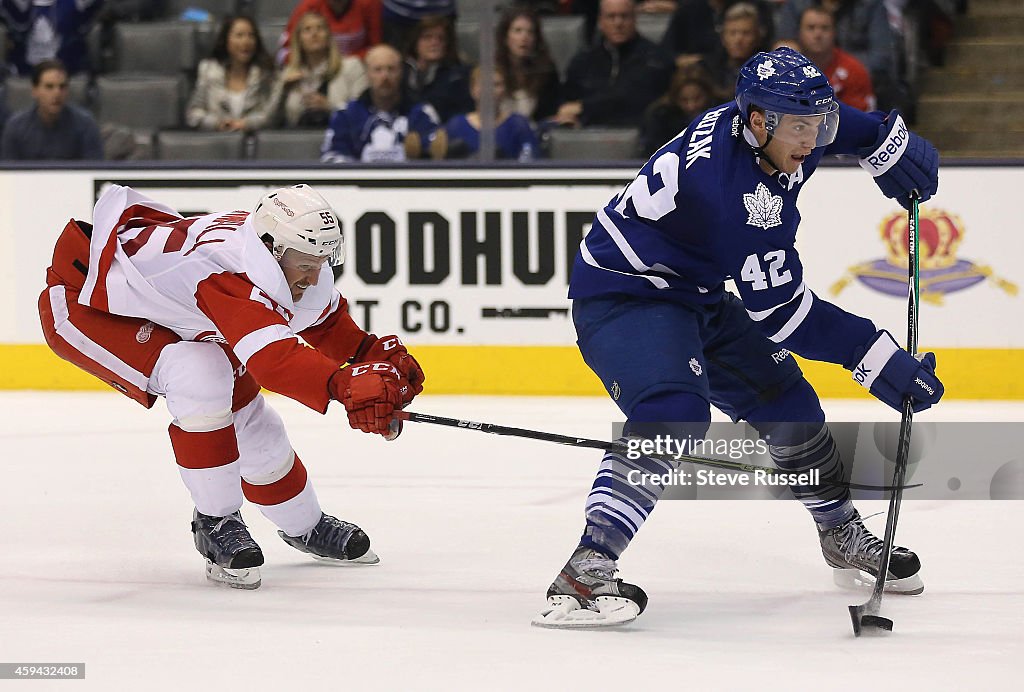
892,374
391,349
901,162
371,393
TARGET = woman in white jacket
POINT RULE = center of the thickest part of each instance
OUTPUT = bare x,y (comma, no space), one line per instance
317,78
236,88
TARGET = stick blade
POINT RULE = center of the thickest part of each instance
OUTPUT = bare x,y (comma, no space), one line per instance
865,623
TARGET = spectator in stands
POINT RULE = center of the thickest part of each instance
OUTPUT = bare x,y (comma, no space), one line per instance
318,80
695,26
52,129
847,74
862,29
434,73
590,9
354,24
401,17
742,35
613,81
513,135
236,88
522,55
383,125
39,30
689,95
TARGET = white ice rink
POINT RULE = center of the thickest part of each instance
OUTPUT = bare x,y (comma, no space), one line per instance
98,566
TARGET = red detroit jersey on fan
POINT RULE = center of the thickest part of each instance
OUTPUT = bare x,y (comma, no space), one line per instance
211,277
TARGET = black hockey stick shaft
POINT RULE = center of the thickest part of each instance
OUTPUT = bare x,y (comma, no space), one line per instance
867,614
616,447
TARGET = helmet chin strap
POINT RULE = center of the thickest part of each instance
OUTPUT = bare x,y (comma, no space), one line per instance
759,149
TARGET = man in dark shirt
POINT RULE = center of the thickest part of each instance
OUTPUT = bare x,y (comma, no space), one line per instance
613,81
52,128
696,24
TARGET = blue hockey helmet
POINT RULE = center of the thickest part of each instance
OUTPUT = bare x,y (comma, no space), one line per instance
784,82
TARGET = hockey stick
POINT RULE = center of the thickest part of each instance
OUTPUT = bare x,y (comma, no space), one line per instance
616,447
866,616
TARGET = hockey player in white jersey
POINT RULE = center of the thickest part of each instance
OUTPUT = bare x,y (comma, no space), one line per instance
204,311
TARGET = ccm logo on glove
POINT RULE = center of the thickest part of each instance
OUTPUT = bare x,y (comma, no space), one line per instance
390,349
358,370
883,158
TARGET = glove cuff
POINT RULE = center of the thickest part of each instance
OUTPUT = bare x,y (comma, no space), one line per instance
889,151
364,346
878,354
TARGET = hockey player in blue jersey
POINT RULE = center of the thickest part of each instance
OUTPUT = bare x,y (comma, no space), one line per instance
655,323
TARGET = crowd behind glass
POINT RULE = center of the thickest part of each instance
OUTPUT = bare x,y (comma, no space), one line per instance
390,80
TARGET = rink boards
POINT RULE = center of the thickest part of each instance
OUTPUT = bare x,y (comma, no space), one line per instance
471,266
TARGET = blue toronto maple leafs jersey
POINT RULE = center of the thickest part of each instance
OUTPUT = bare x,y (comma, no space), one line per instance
701,211
361,132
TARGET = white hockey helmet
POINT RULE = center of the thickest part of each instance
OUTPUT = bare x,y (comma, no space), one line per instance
299,218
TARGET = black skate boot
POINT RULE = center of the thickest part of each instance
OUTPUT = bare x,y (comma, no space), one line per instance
232,556
333,540
587,594
855,555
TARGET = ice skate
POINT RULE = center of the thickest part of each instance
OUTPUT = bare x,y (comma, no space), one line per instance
232,556
855,553
587,594
333,540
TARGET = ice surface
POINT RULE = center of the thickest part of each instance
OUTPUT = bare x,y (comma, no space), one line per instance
98,567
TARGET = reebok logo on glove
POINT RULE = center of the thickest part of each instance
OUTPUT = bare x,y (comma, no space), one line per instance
921,383
890,150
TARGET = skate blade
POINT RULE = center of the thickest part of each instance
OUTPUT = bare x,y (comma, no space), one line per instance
856,579
565,612
367,558
247,579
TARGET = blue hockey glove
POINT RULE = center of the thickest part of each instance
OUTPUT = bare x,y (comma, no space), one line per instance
892,374
901,162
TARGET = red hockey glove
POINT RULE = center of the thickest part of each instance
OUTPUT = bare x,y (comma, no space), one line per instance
391,349
370,392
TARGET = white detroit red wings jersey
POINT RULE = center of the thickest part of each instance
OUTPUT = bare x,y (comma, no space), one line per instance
212,277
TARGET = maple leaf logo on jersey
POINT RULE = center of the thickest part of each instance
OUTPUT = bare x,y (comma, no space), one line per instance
765,70
764,208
